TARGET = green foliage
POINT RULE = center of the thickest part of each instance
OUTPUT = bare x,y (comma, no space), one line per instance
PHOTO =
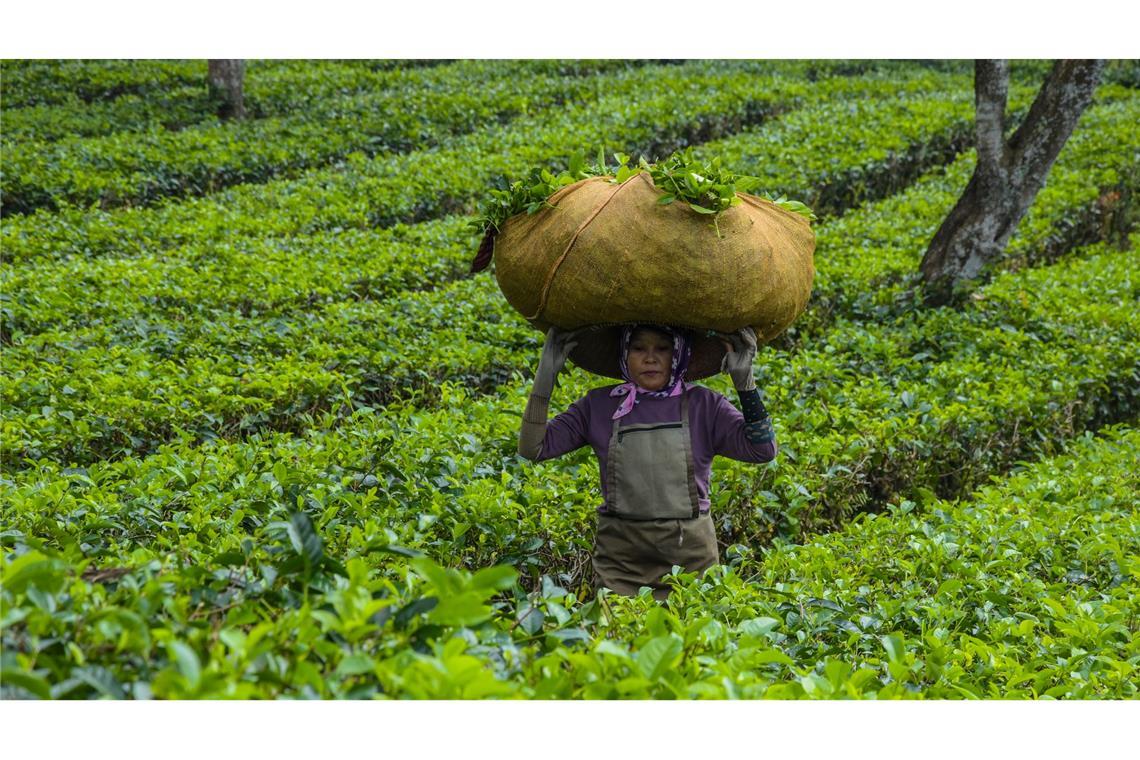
529,194
280,347
71,99
50,82
651,110
1026,590
257,446
705,186
410,111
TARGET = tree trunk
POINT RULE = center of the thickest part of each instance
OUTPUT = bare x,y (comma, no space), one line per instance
225,81
1009,173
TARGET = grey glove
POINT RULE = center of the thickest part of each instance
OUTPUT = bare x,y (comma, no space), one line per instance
559,344
738,360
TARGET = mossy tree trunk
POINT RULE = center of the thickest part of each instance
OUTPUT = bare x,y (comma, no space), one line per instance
1009,173
225,78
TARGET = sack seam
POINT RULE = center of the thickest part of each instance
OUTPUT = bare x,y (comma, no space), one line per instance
574,239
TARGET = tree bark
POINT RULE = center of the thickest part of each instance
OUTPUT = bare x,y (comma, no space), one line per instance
225,78
1009,173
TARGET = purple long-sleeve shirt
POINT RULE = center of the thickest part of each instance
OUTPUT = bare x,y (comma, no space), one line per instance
715,427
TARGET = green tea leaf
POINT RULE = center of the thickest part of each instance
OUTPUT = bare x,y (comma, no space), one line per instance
658,655
354,665
464,609
29,682
760,626
187,661
304,538
498,577
770,655
33,568
895,647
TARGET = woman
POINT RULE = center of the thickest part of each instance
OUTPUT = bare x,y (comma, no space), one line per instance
655,437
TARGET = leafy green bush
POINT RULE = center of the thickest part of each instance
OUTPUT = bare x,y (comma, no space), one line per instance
273,367
1028,590
1073,209
44,82
271,89
650,111
245,480
133,168
267,84
171,110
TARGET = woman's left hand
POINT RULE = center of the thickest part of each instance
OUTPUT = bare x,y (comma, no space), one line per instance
737,363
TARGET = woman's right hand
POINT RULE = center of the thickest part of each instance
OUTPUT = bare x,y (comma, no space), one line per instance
559,344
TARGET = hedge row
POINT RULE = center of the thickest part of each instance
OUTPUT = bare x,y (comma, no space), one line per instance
261,276
1088,196
37,82
846,152
171,110
67,115
225,374
935,405
662,110
270,89
1029,590
44,82
133,168
49,100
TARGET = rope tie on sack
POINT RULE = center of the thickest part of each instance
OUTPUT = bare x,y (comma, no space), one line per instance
573,239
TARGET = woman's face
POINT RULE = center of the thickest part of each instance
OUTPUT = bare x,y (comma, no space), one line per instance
650,357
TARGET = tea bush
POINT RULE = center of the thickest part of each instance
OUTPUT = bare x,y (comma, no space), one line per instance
1027,590
134,168
46,82
272,369
230,475
270,88
650,110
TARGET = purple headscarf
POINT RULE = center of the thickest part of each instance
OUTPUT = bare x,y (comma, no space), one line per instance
682,349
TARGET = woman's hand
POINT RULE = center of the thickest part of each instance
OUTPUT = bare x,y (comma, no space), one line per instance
737,363
559,344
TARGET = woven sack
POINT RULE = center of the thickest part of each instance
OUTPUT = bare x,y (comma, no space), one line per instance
608,254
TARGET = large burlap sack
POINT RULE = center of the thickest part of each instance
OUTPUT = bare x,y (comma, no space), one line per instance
609,254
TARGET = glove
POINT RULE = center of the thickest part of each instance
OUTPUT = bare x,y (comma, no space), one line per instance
737,362
559,344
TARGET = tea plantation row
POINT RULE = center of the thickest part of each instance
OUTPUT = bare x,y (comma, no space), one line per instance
61,102
280,563
1028,590
271,89
225,374
937,403
133,168
656,111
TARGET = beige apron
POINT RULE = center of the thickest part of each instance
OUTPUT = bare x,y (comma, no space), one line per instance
652,519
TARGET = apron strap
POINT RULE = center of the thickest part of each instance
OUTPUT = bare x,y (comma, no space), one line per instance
690,468
611,471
